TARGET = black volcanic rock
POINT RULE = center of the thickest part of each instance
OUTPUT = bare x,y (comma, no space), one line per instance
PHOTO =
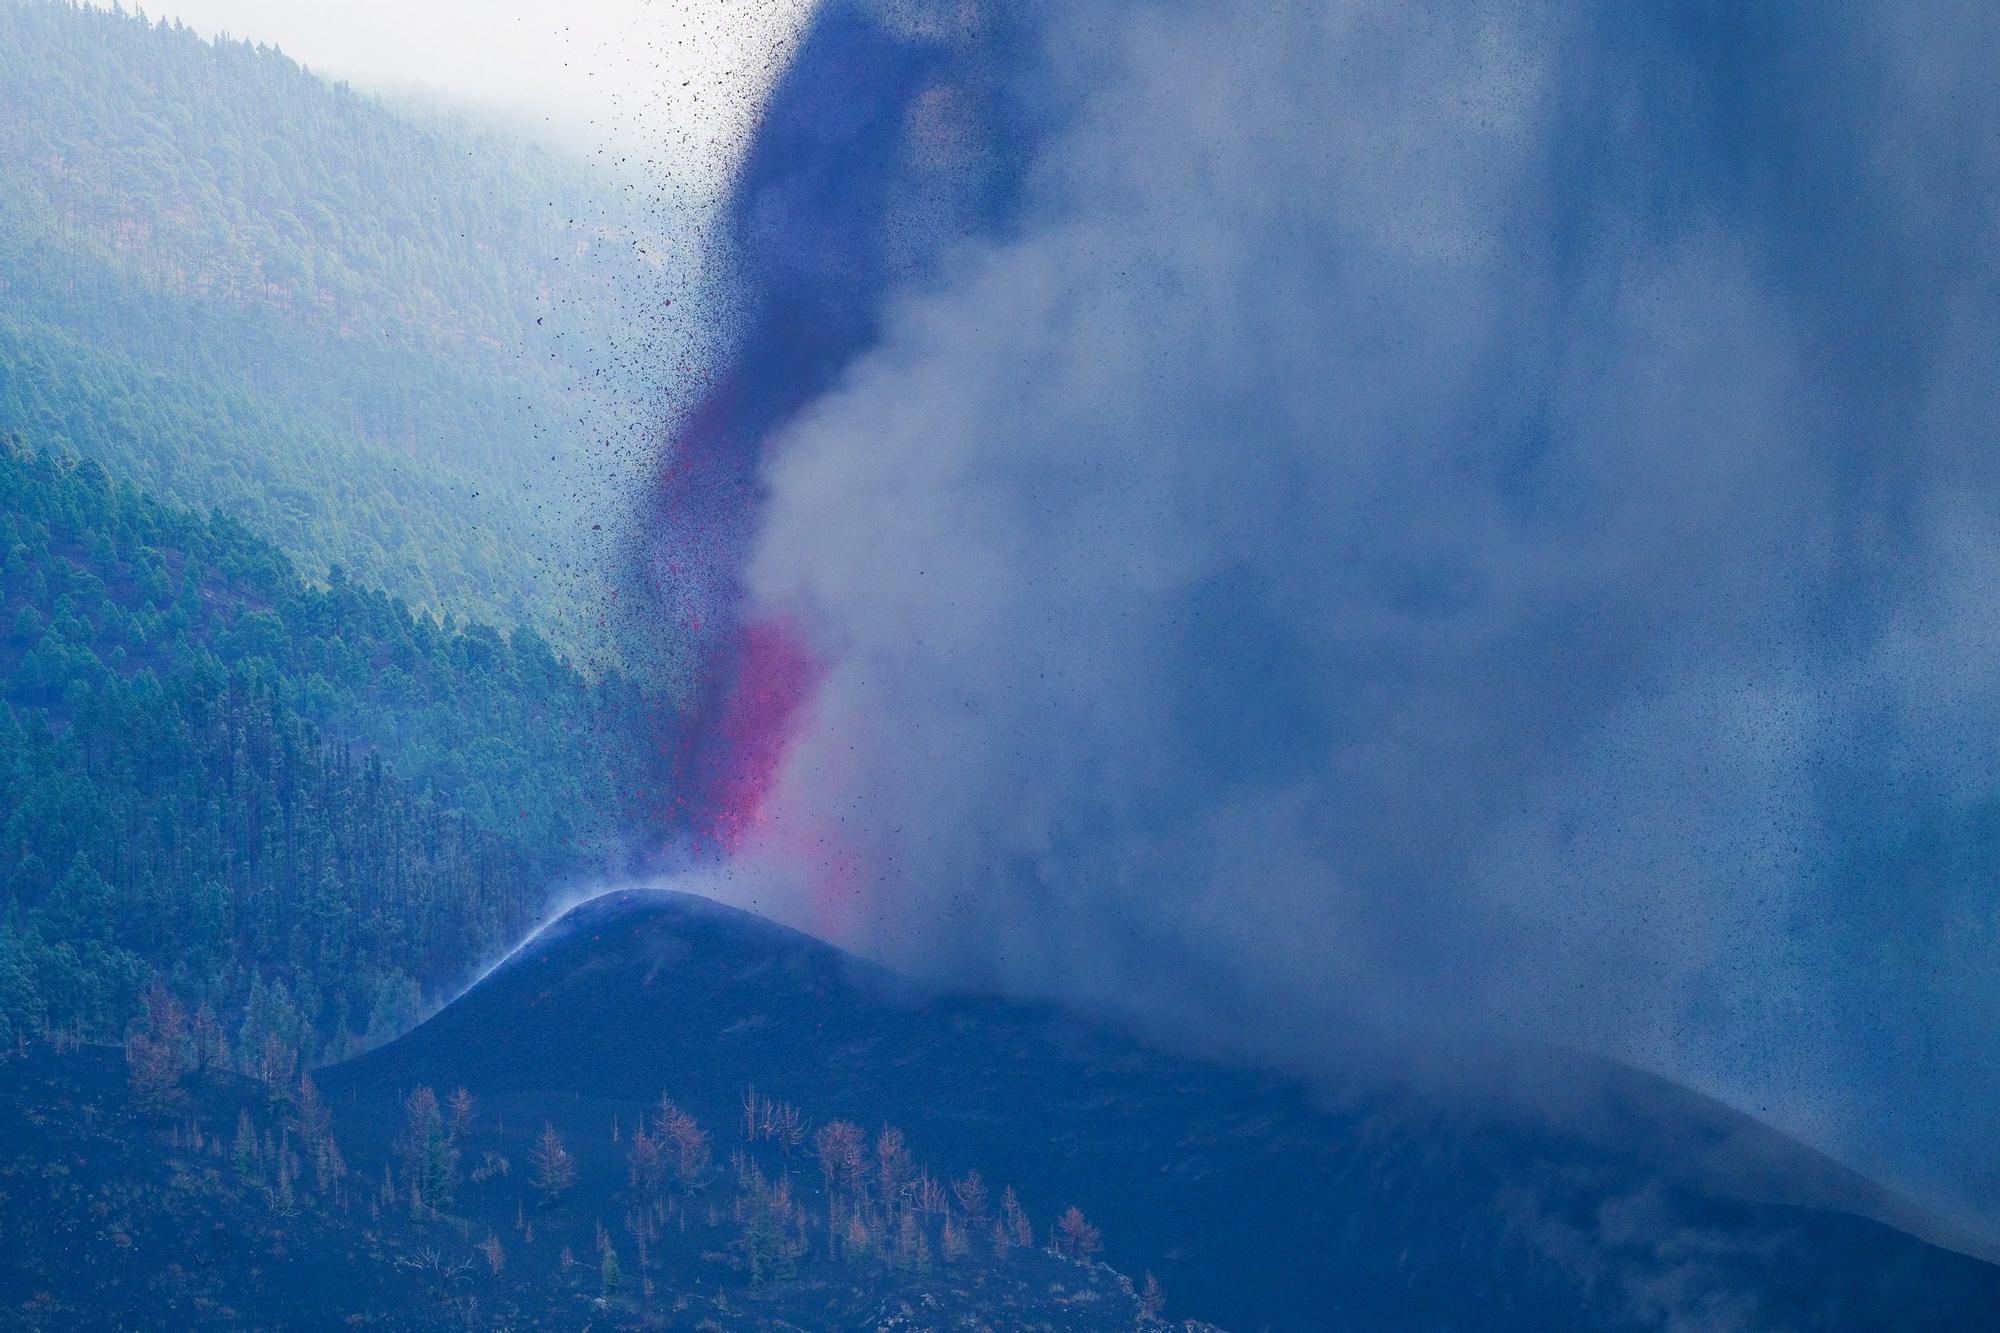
1256,1203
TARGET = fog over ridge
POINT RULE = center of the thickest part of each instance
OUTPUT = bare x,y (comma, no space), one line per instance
1425,515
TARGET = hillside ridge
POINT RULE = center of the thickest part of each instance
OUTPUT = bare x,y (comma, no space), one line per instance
1258,1200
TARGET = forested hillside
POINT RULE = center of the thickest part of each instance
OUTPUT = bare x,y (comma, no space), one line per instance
299,805
377,339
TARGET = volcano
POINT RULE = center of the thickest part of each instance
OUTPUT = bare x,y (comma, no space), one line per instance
1259,1202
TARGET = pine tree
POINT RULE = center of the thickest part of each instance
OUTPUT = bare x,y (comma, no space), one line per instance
608,1276
208,1046
1076,1238
312,1121
430,1161
684,1141
245,1150
283,1199
554,1169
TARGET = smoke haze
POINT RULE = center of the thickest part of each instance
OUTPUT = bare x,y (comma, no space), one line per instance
682,79
1428,519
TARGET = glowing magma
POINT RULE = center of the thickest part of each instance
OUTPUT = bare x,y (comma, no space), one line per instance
773,683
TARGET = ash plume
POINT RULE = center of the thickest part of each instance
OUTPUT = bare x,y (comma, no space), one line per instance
1356,522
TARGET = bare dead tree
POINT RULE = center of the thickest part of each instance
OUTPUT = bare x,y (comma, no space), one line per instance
1152,1301
842,1147
645,1165
156,1050
926,1193
644,1227
787,1126
951,1239
971,1194
893,1164
1019,1229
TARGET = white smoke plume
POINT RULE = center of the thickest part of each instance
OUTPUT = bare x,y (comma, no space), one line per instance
1451,518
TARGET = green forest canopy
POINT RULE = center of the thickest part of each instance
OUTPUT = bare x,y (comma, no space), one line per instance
305,806
386,342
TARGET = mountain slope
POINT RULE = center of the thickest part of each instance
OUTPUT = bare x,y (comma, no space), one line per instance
377,338
234,1204
217,774
1258,1205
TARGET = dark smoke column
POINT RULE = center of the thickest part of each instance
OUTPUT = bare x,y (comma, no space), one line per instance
898,129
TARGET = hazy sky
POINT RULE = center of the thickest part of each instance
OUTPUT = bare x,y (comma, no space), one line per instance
681,73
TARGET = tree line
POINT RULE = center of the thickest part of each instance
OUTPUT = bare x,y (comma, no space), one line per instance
303,806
